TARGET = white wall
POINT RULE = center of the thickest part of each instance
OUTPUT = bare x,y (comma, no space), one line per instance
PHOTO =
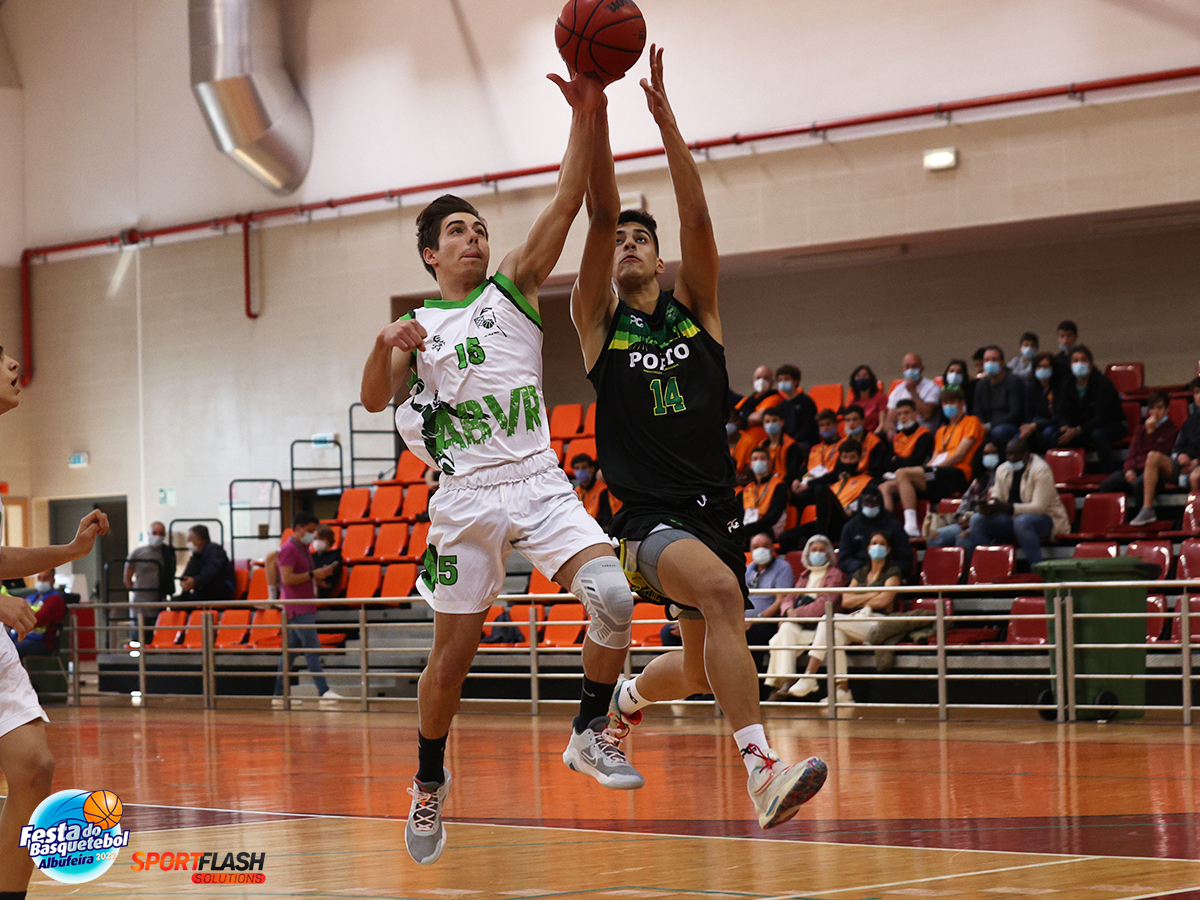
12,175
113,137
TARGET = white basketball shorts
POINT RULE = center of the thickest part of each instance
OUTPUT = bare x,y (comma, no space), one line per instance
18,702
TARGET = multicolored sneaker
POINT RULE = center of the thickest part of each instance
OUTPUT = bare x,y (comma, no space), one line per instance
595,752
619,722
778,791
425,835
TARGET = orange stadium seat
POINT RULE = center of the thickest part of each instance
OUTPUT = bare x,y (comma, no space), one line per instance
365,579
352,506
356,546
257,589
418,541
385,502
589,422
168,628
266,631
565,420
519,613
409,468
416,501
540,584
558,447
579,445
827,396
193,635
399,580
646,632
560,635
234,627
391,541
241,583
1156,552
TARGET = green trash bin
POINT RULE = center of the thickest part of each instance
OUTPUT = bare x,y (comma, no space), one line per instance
1105,692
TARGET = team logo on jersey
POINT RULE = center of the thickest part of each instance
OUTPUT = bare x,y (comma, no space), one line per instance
638,321
437,343
487,320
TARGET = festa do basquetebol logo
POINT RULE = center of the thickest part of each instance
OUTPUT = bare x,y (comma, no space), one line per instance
74,836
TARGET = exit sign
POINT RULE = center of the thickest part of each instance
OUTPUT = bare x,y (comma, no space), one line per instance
77,460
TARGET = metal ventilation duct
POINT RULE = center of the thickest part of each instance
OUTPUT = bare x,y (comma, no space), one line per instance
255,113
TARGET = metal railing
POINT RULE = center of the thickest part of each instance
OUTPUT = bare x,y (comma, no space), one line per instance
939,661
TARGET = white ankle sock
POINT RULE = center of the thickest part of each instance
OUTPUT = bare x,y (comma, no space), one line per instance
629,700
910,519
752,736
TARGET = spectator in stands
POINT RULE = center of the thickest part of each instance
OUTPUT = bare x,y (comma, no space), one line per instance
1021,364
913,444
823,455
1089,410
326,558
955,532
920,390
750,408
1039,401
832,496
956,376
798,409
1068,337
858,627
949,472
150,574
764,497
765,571
802,609
864,392
298,590
977,363
741,443
872,516
592,491
1187,445
787,455
1022,506
874,455
208,574
50,609
1148,463
999,398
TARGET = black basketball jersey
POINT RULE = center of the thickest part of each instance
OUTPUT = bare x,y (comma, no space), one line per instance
662,401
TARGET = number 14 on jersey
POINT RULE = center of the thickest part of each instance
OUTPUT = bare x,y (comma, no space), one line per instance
667,399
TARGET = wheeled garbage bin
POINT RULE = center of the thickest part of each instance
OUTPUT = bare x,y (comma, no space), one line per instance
1112,694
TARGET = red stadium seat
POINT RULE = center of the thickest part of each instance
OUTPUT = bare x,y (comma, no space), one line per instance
1193,623
561,635
1028,631
1133,414
1067,464
385,502
990,565
1157,552
929,605
1101,514
1126,377
1095,550
942,565
793,558
1156,603
365,579
1068,502
1189,560
1178,411
1191,519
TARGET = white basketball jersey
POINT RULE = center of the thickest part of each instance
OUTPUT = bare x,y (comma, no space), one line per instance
476,388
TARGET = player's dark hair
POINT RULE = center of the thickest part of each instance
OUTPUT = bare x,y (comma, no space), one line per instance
304,519
643,218
429,223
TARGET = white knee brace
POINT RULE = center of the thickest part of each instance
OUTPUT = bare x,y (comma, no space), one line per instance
601,587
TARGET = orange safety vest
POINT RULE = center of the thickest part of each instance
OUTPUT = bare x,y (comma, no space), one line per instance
869,442
950,437
848,489
823,454
591,498
904,444
778,454
758,494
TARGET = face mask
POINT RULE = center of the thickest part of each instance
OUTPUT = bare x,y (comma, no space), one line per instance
42,587
954,378
1043,374
950,411
759,467
193,546
1081,369
731,428
828,434
785,387
851,432
1028,352
870,511
761,385
1018,465
991,368
582,475
156,540
773,428
818,559
308,537
877,552
906,427
1064,347
320,546
912,374
761,556
862,384
991,460
847,468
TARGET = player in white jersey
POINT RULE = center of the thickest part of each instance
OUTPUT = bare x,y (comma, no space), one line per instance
470,367
25,756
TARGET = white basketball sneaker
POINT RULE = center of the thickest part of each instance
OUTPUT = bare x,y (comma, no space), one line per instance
778,791
425,835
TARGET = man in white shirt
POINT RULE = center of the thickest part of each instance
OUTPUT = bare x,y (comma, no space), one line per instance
922,391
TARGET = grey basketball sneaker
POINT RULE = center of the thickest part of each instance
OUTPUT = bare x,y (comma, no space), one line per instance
595,752
425,835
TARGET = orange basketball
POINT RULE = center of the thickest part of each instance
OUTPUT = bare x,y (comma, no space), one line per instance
102,808
601,38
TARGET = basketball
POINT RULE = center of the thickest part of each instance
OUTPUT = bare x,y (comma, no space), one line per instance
601,38
102,808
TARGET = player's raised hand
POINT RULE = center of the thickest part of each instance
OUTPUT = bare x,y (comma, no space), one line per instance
91,527
15,613
656,92
405,334
583,92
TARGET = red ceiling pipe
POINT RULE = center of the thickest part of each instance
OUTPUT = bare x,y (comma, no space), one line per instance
1073,89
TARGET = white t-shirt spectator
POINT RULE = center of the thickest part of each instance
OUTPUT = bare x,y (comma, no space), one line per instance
928,390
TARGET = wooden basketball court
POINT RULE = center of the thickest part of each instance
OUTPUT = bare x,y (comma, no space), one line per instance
911,809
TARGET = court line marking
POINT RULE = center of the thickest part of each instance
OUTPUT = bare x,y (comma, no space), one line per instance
887,884
1160,895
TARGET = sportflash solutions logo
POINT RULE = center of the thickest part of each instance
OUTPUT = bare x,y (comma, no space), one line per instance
213,867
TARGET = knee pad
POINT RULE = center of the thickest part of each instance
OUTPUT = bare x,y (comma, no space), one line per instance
601,587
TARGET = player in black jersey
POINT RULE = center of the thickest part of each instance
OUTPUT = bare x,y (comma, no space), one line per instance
656,360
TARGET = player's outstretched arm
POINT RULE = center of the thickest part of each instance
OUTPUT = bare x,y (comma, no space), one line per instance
696,282
531,263
386,369
592,298
17,562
